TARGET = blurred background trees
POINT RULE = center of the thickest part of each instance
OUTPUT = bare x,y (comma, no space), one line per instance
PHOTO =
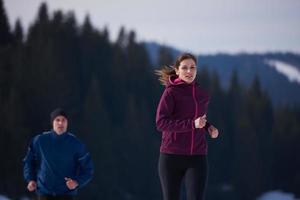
111,93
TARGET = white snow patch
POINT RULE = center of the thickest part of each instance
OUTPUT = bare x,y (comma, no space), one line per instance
290,71
276,195
3,197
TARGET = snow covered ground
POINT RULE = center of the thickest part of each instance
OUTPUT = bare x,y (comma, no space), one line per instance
277,195
3,197
271,195
6,198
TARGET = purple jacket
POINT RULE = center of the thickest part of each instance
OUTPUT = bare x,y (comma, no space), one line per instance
179,106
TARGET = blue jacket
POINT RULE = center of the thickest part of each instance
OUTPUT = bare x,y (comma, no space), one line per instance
51,158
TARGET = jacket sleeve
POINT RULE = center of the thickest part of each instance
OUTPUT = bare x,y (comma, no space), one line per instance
30,162
164,119
207,125
85,166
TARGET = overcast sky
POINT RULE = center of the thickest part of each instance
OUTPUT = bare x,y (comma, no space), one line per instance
199,26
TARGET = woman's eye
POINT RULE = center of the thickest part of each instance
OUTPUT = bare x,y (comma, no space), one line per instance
184,68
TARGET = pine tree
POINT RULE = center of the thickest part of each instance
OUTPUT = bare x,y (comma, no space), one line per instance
285,149
165,56
5,54
43,16
252,142
96,130
18,32
5,34
203,77
122,40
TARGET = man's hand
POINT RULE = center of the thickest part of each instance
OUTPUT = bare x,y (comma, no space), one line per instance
71,184
31,186
213,131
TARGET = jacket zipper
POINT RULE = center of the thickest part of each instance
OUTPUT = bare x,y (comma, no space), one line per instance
195,117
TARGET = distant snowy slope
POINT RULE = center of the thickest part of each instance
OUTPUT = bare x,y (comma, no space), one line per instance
290,71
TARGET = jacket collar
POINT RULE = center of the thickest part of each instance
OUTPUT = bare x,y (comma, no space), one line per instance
175,80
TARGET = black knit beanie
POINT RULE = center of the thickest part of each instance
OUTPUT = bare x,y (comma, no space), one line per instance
57,112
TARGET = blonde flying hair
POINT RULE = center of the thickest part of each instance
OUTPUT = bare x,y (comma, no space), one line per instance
166,71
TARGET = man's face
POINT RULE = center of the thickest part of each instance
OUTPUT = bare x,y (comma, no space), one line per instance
60,124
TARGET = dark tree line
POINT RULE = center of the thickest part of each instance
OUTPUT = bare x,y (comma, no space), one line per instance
111,93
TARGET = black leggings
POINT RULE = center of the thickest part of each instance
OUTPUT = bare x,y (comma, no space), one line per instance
174,168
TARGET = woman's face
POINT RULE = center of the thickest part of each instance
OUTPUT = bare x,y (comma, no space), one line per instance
187,70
